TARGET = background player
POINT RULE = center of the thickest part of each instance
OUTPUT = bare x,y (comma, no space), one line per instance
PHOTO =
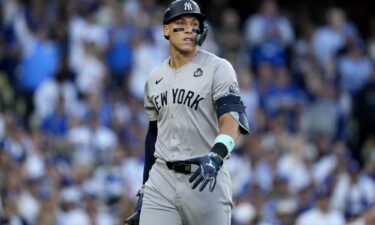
196,115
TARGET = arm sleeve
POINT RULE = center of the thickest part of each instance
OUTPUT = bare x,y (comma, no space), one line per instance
152,133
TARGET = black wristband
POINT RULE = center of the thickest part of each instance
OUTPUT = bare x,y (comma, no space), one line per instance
220,149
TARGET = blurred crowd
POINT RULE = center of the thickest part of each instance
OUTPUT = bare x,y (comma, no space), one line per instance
72,123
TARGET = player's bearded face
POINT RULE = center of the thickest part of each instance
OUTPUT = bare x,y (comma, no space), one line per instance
183,33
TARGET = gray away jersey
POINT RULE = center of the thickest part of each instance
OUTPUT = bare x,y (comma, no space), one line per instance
182,103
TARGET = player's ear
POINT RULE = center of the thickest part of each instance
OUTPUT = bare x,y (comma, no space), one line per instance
166,31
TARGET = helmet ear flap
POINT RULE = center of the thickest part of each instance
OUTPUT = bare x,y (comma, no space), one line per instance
203,34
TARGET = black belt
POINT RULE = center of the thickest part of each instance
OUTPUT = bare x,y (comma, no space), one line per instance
180,167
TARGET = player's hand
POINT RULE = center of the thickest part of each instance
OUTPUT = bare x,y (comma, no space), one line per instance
138,205
209,166
134,218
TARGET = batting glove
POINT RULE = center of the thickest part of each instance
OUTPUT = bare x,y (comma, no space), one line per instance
209,166
134,218
138,205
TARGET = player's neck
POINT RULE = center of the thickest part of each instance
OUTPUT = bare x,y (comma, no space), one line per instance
179,59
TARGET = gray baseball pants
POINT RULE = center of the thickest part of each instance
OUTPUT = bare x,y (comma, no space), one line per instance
170,200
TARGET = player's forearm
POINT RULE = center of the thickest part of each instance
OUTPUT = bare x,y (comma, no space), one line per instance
229,126
228,133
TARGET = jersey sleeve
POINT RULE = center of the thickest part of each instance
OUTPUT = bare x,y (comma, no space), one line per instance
225,81
149,106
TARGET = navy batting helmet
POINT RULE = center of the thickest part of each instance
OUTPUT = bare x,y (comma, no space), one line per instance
186,7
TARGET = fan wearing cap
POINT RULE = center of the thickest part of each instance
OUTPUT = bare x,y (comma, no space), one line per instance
195,114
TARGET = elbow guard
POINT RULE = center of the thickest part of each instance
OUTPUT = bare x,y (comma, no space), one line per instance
233,105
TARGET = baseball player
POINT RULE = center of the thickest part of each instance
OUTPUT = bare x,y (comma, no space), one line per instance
196,114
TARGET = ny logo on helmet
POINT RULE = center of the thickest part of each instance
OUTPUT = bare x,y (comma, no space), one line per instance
188,6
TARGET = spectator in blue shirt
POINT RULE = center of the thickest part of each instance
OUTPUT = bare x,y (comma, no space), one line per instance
39,58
